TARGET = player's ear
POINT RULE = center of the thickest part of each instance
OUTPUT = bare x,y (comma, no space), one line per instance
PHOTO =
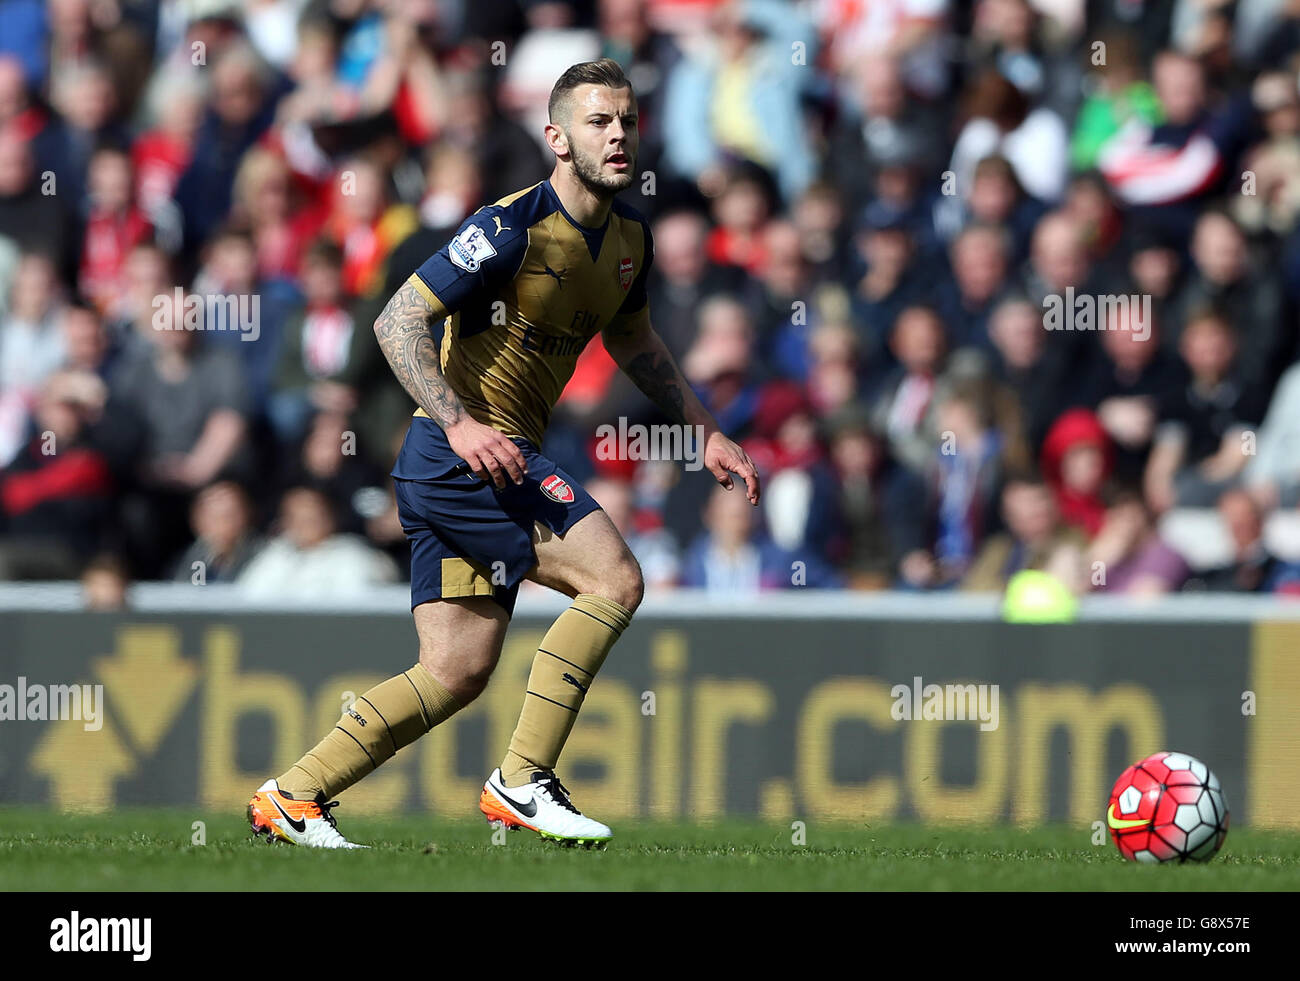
556,139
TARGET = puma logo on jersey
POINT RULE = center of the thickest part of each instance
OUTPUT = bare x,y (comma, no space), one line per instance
500,227
559,276
575,682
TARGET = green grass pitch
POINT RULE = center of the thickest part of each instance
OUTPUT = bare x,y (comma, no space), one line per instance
150,849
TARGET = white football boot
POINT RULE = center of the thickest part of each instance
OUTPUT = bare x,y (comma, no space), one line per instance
275,814
542,805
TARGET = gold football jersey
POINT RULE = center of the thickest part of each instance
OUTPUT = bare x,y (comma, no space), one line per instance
524,287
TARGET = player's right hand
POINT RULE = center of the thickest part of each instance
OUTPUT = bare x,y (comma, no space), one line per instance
489,452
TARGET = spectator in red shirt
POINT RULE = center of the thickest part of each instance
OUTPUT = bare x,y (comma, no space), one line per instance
283,211
328,358
1077,459
366,225
16,109
56,494
741,212
161,154
114,226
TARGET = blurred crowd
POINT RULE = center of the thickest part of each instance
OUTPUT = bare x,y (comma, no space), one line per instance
862,210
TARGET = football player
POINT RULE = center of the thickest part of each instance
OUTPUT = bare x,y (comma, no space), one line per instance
519,291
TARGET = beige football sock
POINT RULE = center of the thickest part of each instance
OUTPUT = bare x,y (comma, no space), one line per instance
570,655
393,714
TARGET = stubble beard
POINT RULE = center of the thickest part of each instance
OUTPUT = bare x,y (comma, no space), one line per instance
587,170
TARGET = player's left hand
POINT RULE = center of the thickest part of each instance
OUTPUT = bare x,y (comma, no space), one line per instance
724,457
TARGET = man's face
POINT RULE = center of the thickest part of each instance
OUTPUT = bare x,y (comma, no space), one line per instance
887,248
1127,340
220,516
624,20
1241,517
110,181
1219,249
602,137
1180,86
992,197
83,338
236,93
233,264
1058,253
1083,468
783,265
979,264
1155,269
322,282
729,518
13,91
918,341
1029,511
1017,333
1208,349
883,95
680,239
725,339
305,518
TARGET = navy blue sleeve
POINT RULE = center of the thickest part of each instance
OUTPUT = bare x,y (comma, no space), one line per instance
636,297
485,252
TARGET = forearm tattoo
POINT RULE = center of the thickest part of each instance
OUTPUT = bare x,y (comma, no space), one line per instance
403,333
658,378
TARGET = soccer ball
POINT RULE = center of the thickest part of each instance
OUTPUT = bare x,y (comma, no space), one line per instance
1167,808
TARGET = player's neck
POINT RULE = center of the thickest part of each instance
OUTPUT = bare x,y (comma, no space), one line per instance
582,204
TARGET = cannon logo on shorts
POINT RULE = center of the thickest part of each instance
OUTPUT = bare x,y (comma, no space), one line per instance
557,489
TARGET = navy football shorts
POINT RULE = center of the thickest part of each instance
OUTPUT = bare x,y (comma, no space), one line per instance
468,538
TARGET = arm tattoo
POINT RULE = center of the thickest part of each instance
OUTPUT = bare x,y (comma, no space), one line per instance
403,333
661,382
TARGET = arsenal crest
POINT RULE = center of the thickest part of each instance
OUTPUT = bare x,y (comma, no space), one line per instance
557,489
625,272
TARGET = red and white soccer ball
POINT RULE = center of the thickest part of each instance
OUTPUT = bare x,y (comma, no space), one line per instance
1167,808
